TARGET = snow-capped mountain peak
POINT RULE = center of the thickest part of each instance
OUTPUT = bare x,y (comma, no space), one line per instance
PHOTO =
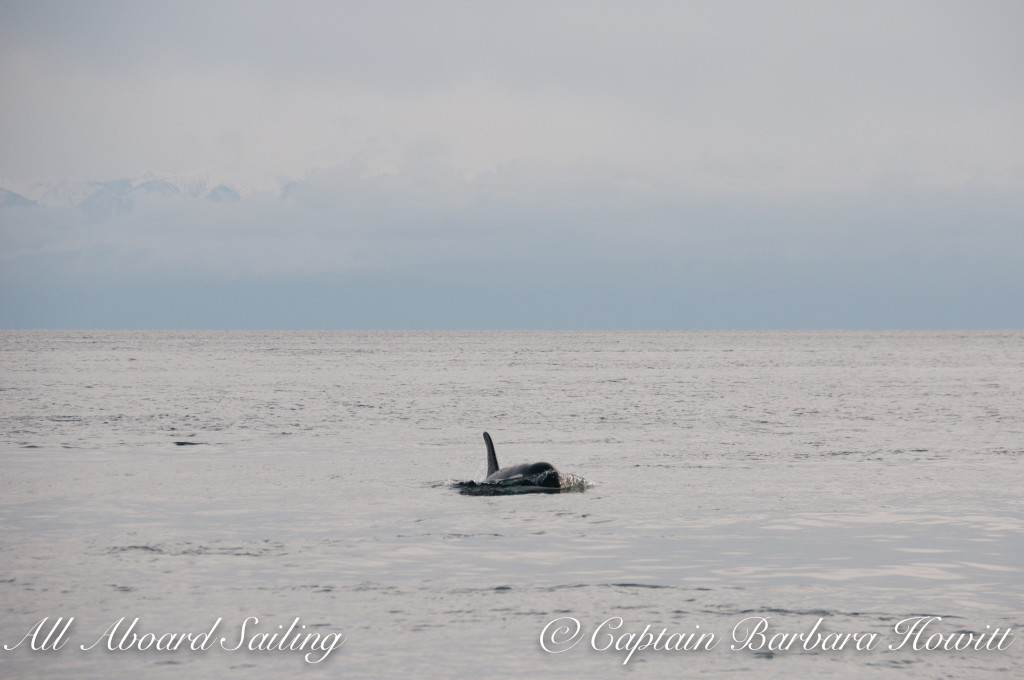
106,198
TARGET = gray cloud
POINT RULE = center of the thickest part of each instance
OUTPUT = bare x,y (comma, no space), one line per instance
676,164
790,95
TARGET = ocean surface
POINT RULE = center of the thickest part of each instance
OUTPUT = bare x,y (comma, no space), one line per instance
220,485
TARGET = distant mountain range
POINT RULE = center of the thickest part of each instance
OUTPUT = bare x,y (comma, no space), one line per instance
106,199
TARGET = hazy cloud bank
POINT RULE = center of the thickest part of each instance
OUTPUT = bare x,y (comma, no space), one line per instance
610,249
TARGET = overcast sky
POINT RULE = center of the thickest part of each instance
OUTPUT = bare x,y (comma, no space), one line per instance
517,164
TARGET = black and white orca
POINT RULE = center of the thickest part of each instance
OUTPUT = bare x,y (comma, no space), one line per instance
539,474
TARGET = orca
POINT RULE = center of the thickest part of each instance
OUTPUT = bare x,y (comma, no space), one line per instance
539,474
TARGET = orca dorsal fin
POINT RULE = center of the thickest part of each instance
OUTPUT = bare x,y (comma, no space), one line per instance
492,460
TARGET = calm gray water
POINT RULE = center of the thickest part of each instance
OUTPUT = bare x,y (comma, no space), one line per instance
859,479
